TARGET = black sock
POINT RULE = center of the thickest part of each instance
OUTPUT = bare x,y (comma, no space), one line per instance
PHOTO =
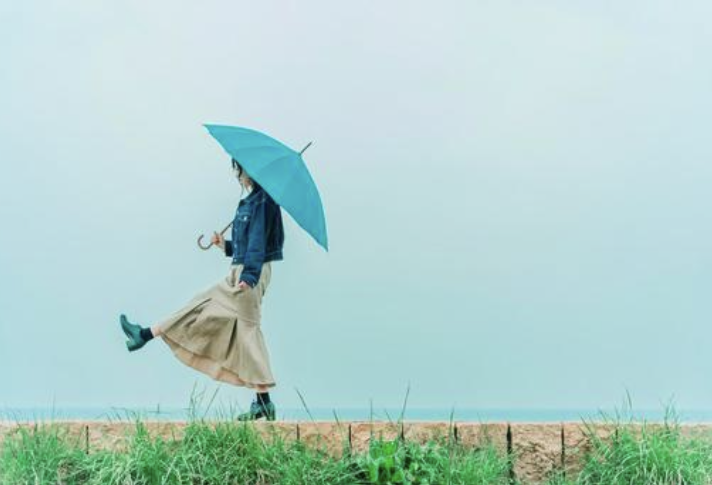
146,334
263,397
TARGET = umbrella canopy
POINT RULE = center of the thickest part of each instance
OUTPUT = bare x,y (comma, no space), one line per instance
280,171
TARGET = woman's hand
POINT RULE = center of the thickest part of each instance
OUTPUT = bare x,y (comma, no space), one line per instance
218,240
243,286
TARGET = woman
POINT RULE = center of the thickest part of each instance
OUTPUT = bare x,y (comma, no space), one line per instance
219,331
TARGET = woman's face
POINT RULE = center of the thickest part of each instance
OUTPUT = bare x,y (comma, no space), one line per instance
243,178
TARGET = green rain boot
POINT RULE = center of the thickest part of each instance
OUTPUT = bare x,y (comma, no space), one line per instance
133,332
258,411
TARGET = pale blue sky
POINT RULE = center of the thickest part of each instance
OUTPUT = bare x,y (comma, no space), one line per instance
517,196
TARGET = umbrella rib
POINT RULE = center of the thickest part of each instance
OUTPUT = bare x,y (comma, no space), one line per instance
249,131
257,146
259,169
293,169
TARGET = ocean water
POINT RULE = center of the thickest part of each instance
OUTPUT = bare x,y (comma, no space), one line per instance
357,414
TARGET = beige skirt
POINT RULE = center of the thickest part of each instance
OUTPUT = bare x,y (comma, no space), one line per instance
219,333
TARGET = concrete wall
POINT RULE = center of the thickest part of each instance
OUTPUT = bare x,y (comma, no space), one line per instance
538,448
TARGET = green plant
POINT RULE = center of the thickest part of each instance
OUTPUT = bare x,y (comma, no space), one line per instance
41,454
656,454
391,462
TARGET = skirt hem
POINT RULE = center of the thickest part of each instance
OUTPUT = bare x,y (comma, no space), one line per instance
210,367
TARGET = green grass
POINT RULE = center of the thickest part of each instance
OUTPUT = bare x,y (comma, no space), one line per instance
41,454
227,451
643,453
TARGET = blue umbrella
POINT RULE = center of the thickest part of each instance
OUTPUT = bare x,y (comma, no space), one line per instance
280,171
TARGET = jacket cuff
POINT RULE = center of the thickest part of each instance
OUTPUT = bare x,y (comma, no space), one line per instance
228,248
249,279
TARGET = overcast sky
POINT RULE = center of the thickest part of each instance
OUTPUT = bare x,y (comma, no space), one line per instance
517,197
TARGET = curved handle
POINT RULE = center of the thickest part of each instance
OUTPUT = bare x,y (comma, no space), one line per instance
200,238
200,243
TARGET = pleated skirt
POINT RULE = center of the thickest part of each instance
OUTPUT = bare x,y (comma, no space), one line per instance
219,332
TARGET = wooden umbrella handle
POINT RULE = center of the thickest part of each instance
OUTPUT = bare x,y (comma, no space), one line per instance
200,239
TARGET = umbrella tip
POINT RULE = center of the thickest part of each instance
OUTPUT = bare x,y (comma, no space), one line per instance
305,148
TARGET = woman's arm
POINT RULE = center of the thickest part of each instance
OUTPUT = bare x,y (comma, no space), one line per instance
224,244
256,240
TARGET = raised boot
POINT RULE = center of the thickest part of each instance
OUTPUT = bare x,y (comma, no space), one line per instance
133,332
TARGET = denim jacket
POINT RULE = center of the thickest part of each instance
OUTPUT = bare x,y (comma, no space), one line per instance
257,234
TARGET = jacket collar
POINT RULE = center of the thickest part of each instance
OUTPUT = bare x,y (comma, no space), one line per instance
256,191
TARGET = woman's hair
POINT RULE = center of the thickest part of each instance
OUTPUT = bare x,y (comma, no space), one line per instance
236,165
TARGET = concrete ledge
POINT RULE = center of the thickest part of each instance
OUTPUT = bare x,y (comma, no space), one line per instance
577,443
477,435
330,437
422,432
363,432
537,448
